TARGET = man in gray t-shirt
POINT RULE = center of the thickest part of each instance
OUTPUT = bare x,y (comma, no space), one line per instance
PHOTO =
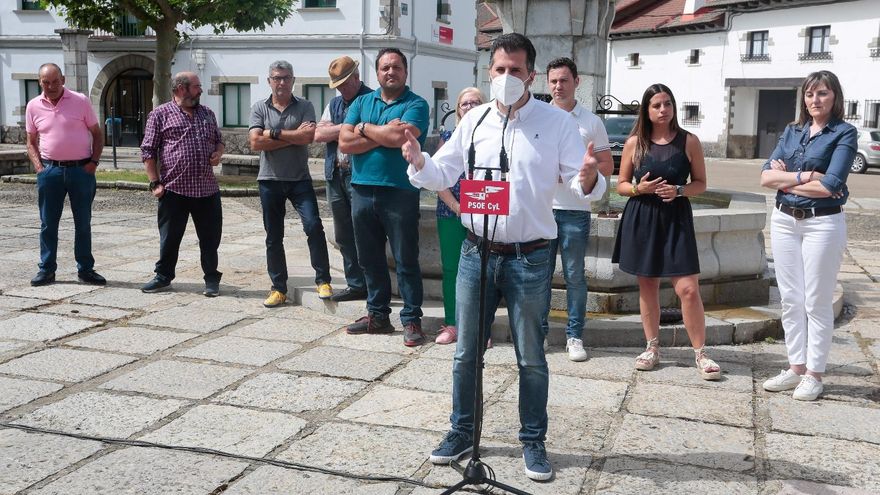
281,128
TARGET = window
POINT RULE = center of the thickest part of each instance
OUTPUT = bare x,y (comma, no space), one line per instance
872,113
691,111
319,4
439,97
850,110
31,89
819,37
694,57
319,95
633,59
31,5
236,104
444,10
128,25
758,43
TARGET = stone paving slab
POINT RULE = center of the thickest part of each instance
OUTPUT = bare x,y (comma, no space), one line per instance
435,375
292,393
26,457
285,329
40,327
825,460
686,442
800,487
829,419
363,449
625,475
86,311
569,428
377,343
272,480
8,345
15,392
570,391
135,471
734,377
132,340
392,406
181,318
10,302
238,350
249,306
229,429
600,365
177,379
68,365
101,414
699,404
345,363
53,292
118,297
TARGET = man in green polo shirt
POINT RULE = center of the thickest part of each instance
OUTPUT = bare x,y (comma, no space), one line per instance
385,206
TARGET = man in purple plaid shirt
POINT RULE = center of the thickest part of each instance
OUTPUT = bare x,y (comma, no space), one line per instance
183,136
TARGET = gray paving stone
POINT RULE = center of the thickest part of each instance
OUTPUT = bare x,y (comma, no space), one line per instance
229,429
274,328
568,428
601,365
135,471
734,377
177,379
271,480
826,418
825,460
64,364
435,375
341,362
51,292
624,475
849,360
800,487
15,392
39,327
363,449
852,388
184,318
8,345
9,302
119,297
400,407
570,391
248,306
686,442
26,458
292,393
86,311
378,343
239,350
133,340
699,404
101,414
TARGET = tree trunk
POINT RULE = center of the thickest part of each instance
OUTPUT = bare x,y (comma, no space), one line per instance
166,46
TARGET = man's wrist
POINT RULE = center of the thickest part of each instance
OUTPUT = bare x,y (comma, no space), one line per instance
154,184
362,129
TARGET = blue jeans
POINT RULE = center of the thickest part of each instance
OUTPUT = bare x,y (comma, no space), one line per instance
173,214
521,279
339,199
383,213
573,235
274,195
53,184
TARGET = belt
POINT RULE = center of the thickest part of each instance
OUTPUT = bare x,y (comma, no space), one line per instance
66,163
805,213
511,248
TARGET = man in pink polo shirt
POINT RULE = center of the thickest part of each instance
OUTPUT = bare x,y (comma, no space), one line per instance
64,143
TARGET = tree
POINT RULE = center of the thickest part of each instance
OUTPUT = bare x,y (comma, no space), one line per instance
165,15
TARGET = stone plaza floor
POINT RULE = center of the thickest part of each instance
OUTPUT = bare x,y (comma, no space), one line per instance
94,379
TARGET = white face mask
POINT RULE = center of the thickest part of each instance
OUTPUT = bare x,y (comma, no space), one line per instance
507,89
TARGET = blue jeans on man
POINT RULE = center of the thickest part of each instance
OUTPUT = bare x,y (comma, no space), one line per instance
392,213
573,235
274,195
53,184
521,279
339,199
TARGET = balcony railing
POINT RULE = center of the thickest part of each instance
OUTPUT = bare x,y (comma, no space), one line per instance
755,58
100,33
814,56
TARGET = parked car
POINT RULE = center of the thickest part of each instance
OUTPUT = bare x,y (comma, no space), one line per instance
868,153
618,129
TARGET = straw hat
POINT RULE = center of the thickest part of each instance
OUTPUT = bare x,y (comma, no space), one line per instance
341,69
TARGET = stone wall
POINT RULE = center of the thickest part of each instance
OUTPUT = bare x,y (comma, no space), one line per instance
13,134
739,146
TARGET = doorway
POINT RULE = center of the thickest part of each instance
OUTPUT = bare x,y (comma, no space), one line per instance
776,109
129,98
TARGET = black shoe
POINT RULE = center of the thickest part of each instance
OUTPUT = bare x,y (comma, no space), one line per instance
43,278
372,323
413,335
155,285
349,294
91,277
212,289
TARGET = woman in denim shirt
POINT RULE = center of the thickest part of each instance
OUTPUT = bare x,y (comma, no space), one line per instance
809,168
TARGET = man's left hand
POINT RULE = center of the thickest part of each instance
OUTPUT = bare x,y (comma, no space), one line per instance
215,158
90,167
589,170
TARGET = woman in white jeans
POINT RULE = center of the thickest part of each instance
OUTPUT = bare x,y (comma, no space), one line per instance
808,169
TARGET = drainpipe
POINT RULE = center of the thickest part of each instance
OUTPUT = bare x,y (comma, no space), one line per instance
361,40
412,29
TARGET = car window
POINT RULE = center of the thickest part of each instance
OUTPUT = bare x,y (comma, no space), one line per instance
875,135
619,126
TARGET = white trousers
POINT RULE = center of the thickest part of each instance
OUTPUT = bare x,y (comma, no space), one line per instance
807,256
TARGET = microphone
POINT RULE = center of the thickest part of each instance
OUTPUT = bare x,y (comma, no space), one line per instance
502,157
472,152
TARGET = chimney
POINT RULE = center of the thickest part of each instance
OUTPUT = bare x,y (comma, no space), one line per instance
691,6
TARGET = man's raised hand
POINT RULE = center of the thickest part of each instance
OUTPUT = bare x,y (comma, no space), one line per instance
589,171
411,151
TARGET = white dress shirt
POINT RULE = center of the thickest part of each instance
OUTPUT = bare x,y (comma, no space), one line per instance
542,144
591,129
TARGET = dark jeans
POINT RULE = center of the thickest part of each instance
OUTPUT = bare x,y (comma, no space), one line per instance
53,183
339,198
274,195
391,213
174,212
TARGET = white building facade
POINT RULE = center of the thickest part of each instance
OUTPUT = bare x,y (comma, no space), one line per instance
438,38
736,67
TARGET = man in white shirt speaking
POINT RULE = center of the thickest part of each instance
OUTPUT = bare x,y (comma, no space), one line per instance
542,144
572,213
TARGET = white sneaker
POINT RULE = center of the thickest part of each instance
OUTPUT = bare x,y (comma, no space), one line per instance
576,351
785,380
808,389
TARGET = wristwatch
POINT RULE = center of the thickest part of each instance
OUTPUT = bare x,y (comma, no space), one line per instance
361,128
154,184
679,191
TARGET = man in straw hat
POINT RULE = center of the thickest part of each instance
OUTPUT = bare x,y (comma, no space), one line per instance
337,170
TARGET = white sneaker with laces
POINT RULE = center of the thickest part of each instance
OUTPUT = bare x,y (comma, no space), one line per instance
575,348
785,380
808,389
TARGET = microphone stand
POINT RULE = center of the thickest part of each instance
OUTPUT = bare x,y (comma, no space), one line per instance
475,472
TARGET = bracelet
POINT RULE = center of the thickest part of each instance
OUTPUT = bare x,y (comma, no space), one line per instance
798,177
810,178
635,190
275,134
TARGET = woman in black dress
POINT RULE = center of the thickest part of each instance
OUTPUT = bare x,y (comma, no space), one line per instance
656,233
